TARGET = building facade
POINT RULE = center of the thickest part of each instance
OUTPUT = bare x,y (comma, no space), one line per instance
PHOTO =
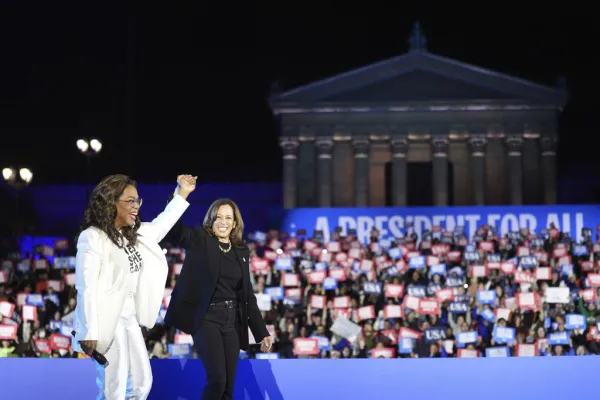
419,125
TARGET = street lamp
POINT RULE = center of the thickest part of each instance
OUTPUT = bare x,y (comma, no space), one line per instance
89,149
18,179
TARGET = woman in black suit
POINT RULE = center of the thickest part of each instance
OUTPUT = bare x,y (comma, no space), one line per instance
213,299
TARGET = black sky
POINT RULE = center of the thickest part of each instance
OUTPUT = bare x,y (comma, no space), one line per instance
201,77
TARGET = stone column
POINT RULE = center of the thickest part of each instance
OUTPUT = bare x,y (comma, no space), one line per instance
532,169
361,172
399,147
306,173
514,144
477,146
549,168
343,172
324,171
290,168
439,148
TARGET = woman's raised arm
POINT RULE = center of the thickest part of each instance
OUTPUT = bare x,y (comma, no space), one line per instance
167,219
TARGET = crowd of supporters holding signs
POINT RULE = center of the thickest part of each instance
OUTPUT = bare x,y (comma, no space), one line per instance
439,295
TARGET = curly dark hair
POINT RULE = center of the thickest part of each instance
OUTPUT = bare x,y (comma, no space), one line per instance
101,210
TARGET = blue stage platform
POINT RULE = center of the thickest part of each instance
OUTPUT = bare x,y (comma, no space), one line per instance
490,378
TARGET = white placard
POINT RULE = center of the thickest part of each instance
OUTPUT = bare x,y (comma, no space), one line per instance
557,295
264,301
346,329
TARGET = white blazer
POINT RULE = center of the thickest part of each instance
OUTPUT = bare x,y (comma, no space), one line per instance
102,285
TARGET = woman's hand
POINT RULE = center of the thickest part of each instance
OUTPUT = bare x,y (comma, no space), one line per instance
266,344
186,184
88,346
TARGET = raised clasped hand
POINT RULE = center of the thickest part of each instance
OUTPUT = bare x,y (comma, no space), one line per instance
187,183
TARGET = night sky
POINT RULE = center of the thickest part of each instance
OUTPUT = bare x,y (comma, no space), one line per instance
185,90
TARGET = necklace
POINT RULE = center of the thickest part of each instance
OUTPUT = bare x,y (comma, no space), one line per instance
226,250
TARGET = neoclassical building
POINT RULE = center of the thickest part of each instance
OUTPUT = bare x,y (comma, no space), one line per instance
419,129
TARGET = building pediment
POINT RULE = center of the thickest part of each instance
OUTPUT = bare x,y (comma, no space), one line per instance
420,76
416,86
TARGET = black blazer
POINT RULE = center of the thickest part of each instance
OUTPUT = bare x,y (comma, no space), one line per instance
198,280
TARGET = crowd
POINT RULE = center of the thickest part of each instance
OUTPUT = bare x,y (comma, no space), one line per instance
439,295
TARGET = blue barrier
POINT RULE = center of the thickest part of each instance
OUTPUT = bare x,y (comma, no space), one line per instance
491,378
391,221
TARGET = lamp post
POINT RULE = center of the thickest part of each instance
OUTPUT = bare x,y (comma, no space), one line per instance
89,149
18,179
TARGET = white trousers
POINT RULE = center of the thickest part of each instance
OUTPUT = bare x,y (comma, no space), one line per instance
128,374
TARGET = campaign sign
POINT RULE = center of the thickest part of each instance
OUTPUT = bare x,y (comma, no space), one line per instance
330,283
372,287
576,321
528,262
557,338
503,334
295,253
497,352
486,296
395,253
323,342
276,292
35,300
566,269
392,222
417,262
580,250
438,269
64,262
433,288
488,315
406,345
320,266
267,356
433,335
458,307
161,316
284,264
454,282
55,325
472,256
53,298
494,258
181,351
464,338
416,291
259,236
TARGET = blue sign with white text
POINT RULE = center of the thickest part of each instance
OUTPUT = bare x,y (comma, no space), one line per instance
392,222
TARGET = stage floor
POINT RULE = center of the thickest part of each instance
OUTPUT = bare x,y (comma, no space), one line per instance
490,378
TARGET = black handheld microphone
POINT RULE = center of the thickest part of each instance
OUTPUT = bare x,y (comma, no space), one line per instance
96,355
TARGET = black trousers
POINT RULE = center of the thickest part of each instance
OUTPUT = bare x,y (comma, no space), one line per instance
218,347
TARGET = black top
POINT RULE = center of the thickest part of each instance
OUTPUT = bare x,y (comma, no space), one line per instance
197,282
230,278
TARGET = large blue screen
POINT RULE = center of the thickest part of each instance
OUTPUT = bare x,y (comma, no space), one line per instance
489,378
390,221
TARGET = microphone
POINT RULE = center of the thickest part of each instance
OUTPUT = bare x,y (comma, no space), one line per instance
96,355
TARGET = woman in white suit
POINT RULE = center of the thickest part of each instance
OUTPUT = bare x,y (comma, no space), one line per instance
121,273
